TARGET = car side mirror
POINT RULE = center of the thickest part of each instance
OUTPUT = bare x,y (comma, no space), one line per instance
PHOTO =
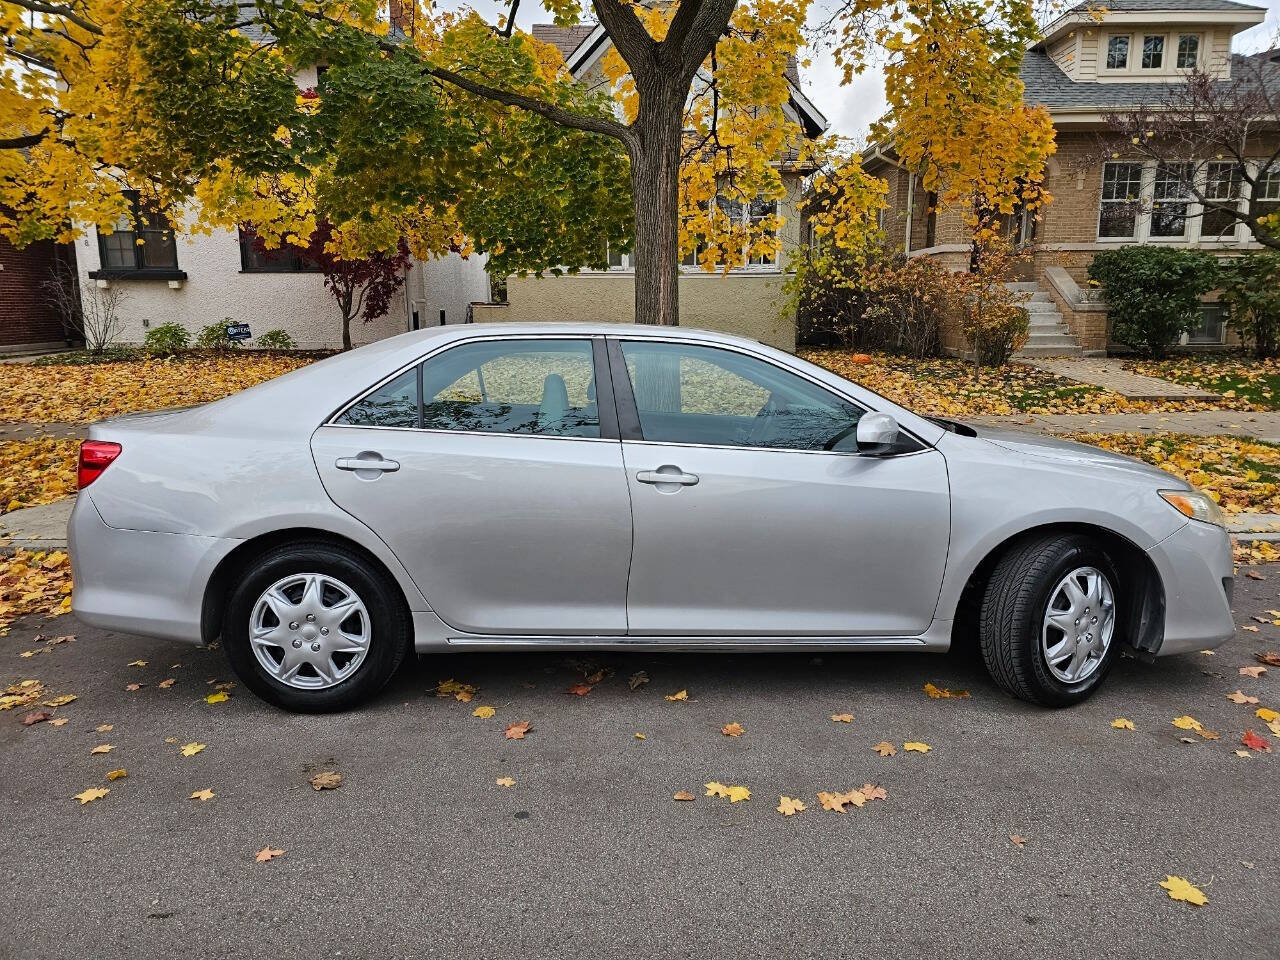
877,433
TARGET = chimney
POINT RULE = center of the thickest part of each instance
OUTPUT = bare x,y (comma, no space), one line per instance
398,15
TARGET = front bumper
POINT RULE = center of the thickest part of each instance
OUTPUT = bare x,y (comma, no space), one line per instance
137,581
1196,569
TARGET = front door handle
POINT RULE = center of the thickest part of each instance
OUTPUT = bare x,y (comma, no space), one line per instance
367,461
667,474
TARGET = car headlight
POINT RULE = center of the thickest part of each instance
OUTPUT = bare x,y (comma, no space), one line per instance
1196,505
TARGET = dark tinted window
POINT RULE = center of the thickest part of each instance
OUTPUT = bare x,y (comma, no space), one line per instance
394,404
692,394
543,387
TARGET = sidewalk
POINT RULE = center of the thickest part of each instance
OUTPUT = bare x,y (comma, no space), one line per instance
1260,426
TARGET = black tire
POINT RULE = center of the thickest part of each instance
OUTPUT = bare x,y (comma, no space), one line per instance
1013,611
390,630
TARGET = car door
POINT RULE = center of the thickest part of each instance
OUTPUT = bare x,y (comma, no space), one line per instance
744,525
493,470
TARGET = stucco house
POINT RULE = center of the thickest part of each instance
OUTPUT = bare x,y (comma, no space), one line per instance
196,280
748,300
1090,61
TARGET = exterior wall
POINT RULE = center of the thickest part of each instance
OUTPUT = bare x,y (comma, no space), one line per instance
216,290
1064,53
27,317
441,289
748,305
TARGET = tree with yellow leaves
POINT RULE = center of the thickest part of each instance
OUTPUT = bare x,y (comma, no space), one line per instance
453,132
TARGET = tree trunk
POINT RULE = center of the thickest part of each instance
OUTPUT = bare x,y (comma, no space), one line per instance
655,167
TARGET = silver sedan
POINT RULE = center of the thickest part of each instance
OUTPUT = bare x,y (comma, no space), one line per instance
584,486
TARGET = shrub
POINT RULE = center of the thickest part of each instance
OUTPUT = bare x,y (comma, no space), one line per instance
1153,293
1251,297
992,317
167,338
214,337
276,340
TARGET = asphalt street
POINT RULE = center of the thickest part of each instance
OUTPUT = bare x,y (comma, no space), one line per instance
420,853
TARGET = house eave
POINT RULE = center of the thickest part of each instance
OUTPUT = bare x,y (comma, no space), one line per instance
1238,20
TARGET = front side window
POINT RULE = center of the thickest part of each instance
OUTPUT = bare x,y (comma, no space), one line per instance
1170,199
1153,52
539,387
142,240
687,393
1117,53
1121,190
1188,51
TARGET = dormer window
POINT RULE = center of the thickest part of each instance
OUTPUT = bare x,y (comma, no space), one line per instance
1188,51
1118,53
1153,51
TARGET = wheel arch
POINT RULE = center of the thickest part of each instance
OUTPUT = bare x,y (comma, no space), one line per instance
221,581
1141,589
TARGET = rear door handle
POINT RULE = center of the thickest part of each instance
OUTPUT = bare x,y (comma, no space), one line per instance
366,462
667,474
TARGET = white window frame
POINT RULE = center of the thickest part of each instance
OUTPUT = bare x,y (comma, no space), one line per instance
1137,43
628,264
1191,235
1104,65
1177,36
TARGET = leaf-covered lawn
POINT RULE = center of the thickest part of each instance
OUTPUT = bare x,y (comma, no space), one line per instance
1243,475
80,393
36,471
955,388
1251,383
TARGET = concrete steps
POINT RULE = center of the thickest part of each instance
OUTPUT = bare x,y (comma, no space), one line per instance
1047,334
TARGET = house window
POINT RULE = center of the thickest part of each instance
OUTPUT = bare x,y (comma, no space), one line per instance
142,241
287,258
1266,190
1188,51
1121,188
1212,325
1153,52
1222,180
747,215
931,219
757,213
1117,53
1171,199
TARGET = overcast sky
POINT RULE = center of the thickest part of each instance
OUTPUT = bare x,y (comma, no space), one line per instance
852,108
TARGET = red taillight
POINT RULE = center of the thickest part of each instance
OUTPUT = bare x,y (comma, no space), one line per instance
95,456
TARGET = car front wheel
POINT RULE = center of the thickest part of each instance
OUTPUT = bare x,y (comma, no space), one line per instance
1049,619
311,628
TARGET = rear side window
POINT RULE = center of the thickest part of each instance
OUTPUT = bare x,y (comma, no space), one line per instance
393,404
539,387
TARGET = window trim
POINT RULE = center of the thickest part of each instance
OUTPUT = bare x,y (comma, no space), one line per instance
137,271
1137,235
604,385
243,242
629,413
1137,44
1180,35
1193,236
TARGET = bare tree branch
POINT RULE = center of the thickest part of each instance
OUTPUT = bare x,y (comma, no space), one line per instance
23,143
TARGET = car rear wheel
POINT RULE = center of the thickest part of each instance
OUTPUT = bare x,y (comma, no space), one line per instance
1049,619
310,628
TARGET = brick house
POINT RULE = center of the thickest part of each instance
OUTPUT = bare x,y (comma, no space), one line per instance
28,320
1086,64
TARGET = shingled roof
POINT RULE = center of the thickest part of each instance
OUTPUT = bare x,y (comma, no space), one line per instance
1045,84
1141,6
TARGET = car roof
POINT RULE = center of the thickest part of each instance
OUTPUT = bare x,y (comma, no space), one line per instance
583,328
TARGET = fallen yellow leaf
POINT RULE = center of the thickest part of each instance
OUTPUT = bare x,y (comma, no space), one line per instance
680,695
885,748
117,774
1180,889
916,747
138,663
842,717
326,780
739,793
716,789
203,795
220,697
683,795
1186,723
505,782
733,730
1266,714
266,853
484,713
103,748
93,793
191,749
788,806
1120,723
639,736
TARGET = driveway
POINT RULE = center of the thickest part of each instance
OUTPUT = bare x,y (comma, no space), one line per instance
420,853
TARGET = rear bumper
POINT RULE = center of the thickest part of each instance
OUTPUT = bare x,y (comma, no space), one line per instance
1196,568
136,581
